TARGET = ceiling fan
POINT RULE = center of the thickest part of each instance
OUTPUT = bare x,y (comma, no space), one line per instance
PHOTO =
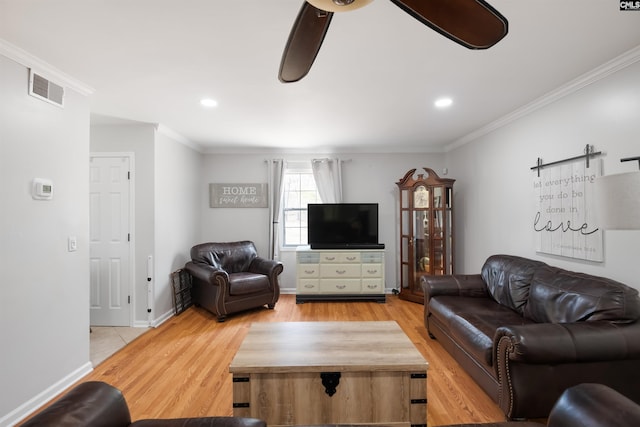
474,24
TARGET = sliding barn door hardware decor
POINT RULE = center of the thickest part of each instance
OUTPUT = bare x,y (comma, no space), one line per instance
588,153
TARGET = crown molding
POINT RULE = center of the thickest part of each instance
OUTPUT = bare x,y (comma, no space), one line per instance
43,68
623,61
170,133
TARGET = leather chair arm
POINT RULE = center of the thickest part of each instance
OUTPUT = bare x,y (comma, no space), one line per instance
567,342
594,405
266,266
92,403
207,273
466,285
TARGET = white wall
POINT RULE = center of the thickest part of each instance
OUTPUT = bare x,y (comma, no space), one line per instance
44,301
167,207
494,193
177,214
138,138
366,178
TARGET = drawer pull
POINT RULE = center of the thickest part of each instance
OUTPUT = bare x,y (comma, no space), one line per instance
309,271
372,271
351,258
341,286
372,286
241,405
330,258
341,271
309,286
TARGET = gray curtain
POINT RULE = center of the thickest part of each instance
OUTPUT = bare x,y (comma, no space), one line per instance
276,178
328,176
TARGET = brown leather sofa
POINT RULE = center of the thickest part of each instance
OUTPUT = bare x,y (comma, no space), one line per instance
526,331
231,277
98,404
584,405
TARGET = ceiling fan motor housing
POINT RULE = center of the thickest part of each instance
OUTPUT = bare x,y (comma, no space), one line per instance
339,5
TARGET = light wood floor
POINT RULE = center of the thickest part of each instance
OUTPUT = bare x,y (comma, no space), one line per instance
181,368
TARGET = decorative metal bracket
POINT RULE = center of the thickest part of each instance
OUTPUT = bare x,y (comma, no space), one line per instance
588,153
330,381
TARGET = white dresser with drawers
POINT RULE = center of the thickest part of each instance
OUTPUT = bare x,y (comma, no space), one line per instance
335,274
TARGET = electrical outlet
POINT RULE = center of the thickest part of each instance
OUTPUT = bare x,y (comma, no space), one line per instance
72,244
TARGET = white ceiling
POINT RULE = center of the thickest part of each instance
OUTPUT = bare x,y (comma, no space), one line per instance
371,88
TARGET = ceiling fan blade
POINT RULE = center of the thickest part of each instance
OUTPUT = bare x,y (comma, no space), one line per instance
304,43
474,24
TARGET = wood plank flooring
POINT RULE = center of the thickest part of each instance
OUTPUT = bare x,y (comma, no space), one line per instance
181,369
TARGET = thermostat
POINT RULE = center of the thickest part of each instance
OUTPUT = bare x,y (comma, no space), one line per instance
42,189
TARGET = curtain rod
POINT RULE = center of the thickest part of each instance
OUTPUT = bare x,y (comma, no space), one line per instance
588,152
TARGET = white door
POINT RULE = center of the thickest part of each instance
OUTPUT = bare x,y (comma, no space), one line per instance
109,247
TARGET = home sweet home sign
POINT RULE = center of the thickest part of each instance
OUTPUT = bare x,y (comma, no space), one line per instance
238,195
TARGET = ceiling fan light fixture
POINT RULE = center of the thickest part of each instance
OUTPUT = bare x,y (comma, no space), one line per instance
338,5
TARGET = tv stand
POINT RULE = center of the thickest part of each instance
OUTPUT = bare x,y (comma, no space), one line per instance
339,275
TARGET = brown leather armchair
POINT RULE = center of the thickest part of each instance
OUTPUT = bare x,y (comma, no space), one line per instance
231,277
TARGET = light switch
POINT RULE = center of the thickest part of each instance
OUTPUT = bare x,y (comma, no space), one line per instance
72,244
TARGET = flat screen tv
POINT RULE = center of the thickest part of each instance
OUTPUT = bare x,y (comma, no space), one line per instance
343,226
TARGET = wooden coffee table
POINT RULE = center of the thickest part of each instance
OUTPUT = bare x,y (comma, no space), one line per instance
304,373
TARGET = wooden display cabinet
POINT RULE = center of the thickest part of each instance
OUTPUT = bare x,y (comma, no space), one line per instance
426,230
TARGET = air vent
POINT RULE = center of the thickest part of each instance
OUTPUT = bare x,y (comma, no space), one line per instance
45,90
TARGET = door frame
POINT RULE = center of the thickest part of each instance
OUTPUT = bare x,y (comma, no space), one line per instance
132,225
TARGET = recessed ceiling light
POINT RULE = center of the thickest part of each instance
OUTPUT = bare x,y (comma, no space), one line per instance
443,102
208,102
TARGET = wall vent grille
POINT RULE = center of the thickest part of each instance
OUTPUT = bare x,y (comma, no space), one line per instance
45,90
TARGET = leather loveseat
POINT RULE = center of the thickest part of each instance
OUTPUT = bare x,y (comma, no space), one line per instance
584,405
98,404
231,277
526,331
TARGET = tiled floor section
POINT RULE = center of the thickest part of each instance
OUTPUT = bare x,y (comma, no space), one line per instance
106,340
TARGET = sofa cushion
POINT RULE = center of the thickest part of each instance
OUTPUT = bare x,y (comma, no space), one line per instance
508,279
472,322
247,283
561,296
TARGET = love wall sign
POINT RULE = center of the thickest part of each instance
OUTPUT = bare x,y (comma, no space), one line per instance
565,221
238,196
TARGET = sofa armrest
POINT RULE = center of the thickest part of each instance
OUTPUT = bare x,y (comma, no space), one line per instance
207,273
556,343
461,285
92,403
269,267
466,285
594,405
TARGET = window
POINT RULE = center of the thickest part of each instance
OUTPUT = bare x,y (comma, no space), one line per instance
299,190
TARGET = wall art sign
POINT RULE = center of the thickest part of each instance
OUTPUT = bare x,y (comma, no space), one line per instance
238,196
565,221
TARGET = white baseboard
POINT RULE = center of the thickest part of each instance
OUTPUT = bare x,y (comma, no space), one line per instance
155,322
160,320
32,405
